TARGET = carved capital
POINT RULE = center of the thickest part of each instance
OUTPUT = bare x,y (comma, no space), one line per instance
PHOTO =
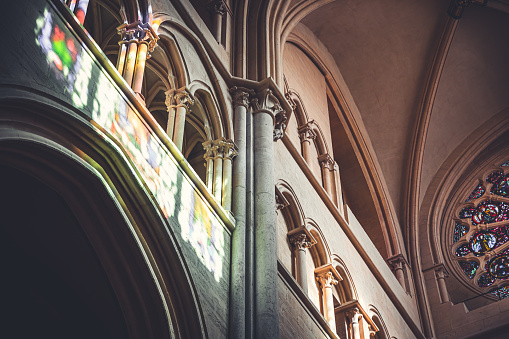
138,32
397,262
354,315
326,279
300,241
229,149
306,133
441,272
241,96
210,150
218,7
219,148
457,6
266,102
279,128
326,161
178,97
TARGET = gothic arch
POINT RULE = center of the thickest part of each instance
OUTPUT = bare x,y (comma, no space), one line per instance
320,251
346,287
376,317
50,143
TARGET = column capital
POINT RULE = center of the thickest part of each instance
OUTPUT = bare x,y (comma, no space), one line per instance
138,32
300,241
326,161
354,314
229,148
306,132
219,148
441,272
218,7
397,262
178,98
279,129
326,279
457,6
241,96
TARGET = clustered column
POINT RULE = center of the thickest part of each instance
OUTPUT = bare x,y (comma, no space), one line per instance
219,155
300,244
307,136
178,102
326,280
218,9
327,164
354,315
137,40
440,274
338,195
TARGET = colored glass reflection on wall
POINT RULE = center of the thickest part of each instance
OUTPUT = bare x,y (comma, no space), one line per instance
469,267
476,193
93,92
459,231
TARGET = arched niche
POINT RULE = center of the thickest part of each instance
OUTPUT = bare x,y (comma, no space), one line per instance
114,214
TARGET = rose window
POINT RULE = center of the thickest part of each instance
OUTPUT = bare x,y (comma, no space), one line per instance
481,234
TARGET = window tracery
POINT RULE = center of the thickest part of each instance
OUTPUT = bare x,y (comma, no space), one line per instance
481,233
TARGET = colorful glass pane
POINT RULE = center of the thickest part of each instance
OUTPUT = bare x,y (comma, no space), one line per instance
482,242
467,212
501,187
498,267
485,280
502,234
476,193
463,250
469,267
459,231
489,211
502,292
494,177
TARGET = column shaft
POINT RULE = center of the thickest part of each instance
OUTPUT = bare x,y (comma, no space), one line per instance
218,178
300,253
180,122
442,289
328,306
306,151
266,276
326,180
171,122
227,180
238,268
121,57
130,62
140,67
210,174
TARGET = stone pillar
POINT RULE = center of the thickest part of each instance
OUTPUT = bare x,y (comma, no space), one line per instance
398,265
338,194
326,280
301,243
327,164
209,148
218,9
229,153
266,109
137,40
307,137
218,171
354,315
178,102
440,274
238,328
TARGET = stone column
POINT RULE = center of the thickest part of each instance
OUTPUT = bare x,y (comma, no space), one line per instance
354,315
327,164
137,40
398,265
218,170
218,9
229,153
209,148
307,136
326,280
440,274
238,328
178,102
266,109
300,244
338,195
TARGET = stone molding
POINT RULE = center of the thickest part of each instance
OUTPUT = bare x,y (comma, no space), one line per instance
178,98
441,272
353,308
327,275
397,262
306,133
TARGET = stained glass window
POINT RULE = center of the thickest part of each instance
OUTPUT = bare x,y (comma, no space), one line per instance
459,231
485,280
502,292
469,267
476,193
489,219
501,186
